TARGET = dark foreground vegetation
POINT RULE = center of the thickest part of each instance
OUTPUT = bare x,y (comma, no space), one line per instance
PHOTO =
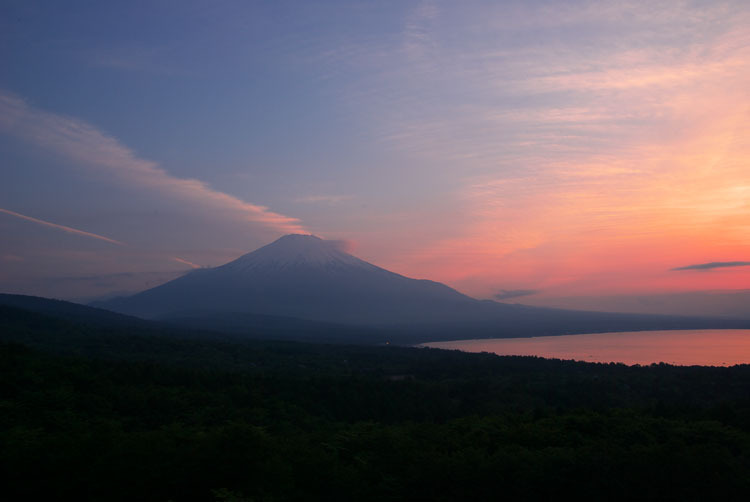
89,412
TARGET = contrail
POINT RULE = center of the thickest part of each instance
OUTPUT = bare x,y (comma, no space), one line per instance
62,227
181,260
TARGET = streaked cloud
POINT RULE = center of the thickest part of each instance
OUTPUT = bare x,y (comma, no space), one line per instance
325,199
185,262
82,142
100,277
506,294
714,264
103,283
64,228
135,58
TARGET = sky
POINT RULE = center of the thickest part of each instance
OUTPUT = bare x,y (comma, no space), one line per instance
577,154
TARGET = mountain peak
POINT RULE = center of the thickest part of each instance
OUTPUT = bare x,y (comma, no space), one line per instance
295,250
299,242
297,238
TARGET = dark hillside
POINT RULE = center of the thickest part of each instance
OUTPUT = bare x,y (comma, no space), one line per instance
92,414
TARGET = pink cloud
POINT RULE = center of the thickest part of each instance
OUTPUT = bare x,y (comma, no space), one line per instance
186,262
87,145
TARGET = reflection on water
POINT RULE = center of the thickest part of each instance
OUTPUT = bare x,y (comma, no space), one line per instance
708,347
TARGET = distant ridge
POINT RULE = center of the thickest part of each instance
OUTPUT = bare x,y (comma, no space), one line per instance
67,310
61,317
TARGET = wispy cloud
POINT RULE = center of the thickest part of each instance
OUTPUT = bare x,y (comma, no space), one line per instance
183,261
98,277
506,294
64,228
618,137
324,199
714,264
135,58
134,280
80,141
417,37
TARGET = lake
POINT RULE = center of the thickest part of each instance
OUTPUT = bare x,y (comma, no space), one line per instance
708,347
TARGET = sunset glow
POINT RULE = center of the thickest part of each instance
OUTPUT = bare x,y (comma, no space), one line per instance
577,150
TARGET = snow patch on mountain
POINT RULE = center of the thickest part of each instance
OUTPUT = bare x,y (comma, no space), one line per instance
295,250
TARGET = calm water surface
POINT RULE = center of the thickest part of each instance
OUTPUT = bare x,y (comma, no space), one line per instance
708,347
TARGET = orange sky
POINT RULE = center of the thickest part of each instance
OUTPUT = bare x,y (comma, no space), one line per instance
672,190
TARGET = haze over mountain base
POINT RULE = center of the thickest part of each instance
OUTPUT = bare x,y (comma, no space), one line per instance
725,303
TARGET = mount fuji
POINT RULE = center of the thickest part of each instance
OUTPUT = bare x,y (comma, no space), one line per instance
303,277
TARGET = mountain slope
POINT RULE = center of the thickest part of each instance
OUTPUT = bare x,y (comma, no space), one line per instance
69,311
299,276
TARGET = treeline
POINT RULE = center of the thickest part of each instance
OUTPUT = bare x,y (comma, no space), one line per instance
108,414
